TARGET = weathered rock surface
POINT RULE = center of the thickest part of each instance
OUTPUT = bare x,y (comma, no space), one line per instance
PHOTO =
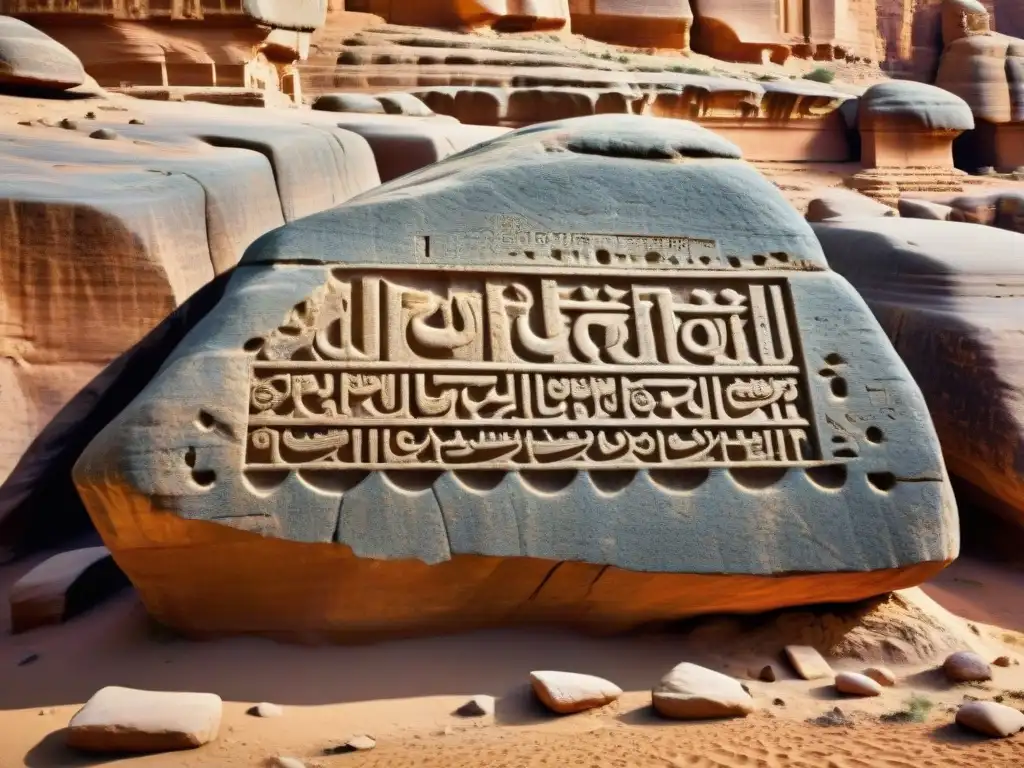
504,14
266,709
691,692
990,718
808,663
349,102
856,684
569,692
219,178
128,720
657,24
30,58
64,586
844,204
940,290
498,506
911,208
248,44
966,667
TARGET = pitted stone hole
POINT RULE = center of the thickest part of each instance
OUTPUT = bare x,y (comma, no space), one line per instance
204,477
554,481
603,257
205,421
556,254
778,256
874,435
480,480
834,358
831,477
839,387
757,478
680,481
735,262
612,482
883,481
652,257
826,372
760,260
333,482
190,457
705,259
530,255
845,453
414,480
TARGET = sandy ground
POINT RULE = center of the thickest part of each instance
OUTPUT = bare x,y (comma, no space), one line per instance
404,693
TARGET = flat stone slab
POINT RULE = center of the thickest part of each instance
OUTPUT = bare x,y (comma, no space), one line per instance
64,586
990,719
132,721
628,388
808,663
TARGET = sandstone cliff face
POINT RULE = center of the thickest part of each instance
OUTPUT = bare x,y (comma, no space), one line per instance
223,43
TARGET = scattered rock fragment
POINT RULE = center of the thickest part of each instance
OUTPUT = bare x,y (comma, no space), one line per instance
778,702
966,667
266,709
808,663
881,675
105,134
68,125
569,692
855,684
835,718
844,204
286,762
64,586
990,718
1002,661
359,743
119,719
478,706
136,121
767,674
30,659
692,692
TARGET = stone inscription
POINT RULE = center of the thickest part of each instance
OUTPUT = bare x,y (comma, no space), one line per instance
422,369
512,240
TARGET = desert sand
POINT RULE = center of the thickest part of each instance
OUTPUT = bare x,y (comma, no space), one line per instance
404,693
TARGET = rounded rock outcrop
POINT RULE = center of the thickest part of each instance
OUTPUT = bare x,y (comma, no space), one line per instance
905,104
30,58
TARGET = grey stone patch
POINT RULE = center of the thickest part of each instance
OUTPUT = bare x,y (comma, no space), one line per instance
842,204
915,105
403,104
909,208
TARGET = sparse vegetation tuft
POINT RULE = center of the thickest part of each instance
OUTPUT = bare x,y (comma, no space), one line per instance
821,75
915,710
683,70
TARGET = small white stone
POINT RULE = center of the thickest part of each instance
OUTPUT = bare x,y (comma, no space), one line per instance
990,718
287,762
569,692
855,684
967,667
881,675
692,692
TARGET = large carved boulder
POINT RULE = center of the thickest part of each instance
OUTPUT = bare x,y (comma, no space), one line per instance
628,388
944,293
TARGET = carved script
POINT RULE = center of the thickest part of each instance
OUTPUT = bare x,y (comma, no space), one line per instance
521,370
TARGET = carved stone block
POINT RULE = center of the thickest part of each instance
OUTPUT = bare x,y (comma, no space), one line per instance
595,371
